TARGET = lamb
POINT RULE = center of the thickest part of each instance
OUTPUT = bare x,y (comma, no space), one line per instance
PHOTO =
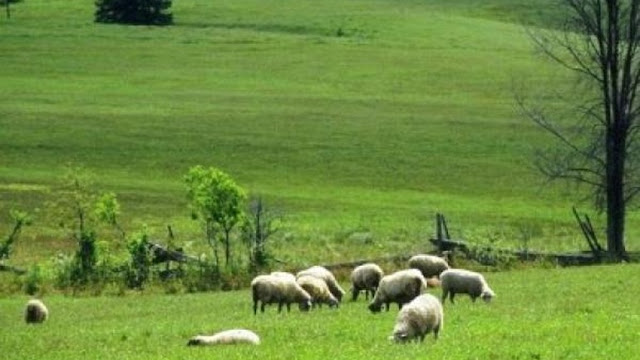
318,290
429,265
459,281
270,289
35,312
326,275
365,277
418,318
400,287
227,337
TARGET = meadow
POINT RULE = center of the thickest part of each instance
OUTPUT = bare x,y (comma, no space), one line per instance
357,120
572,313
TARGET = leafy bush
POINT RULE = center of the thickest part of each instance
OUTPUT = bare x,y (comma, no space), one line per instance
134,12
138,271
33,281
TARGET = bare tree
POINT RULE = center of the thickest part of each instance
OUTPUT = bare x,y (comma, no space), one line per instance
599,42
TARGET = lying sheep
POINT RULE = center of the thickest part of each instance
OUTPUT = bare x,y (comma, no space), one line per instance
429,265
269,289
459,281
418,318
35,312
318,290
400,287
365,277
227,337
326,275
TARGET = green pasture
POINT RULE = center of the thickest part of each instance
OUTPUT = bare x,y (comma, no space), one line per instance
575,313
355,119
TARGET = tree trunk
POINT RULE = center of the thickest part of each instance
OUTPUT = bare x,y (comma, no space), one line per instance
615,193
227,247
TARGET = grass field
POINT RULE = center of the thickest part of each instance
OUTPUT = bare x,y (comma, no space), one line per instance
351,118
576,313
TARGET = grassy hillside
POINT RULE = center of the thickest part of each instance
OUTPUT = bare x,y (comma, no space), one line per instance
577,313
359,117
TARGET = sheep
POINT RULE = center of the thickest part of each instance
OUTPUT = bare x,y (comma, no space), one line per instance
227,337
35,312
365,277
429,265
269,289
318,290
418,318
460,281
284,274
326,275
400,287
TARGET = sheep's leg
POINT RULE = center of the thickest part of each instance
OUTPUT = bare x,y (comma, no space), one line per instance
288,307
451,297
255,307
444,295
388,305
355,292
280,306
436,331
262,306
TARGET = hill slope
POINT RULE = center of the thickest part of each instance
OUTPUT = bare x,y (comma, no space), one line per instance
362,117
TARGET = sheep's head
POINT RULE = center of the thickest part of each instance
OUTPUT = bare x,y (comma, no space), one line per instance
305,305
334,303
400,337
375,307
487,295
194,341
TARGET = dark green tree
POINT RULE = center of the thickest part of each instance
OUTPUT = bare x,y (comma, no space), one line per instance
134,12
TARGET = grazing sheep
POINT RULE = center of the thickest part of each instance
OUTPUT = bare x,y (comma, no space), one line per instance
326,275
433,282
459,281
318,290
269,289
429,265
35,312
365,277
400,287
284,274
418,318
227,337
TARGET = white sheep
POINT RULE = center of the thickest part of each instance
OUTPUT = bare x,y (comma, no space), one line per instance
400,287
327,276
429,265
284,274
35,312
460,281
365,277
418,318
227,337
269,289
318,290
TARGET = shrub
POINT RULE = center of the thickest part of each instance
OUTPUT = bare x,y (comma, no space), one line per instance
134,12
139,268
33,280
